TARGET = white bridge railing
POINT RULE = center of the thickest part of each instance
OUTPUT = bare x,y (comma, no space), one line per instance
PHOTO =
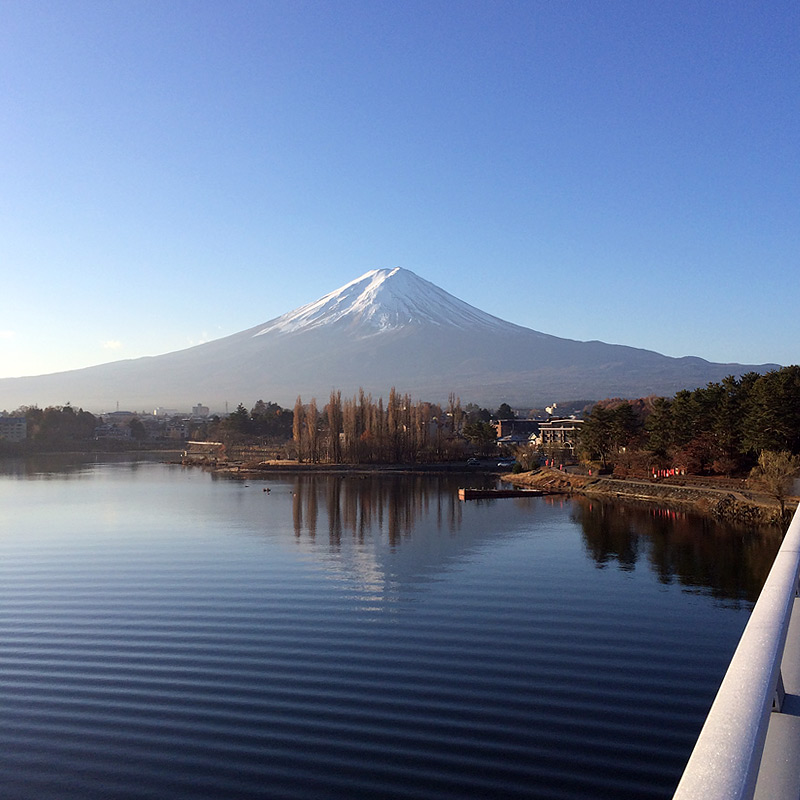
726,759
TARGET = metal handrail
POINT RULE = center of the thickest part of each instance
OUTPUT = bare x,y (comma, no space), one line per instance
725,761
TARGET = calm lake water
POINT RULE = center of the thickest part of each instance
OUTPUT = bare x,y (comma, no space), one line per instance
165,633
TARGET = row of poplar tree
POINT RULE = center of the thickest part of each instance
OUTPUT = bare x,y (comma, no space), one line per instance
360,430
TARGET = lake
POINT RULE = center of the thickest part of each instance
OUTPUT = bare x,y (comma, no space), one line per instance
168,633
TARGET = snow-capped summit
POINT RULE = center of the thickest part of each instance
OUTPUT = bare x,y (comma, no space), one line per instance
383,300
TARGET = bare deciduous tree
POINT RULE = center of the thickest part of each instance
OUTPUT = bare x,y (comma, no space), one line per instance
774,473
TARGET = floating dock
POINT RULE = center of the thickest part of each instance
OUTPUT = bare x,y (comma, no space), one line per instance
479,494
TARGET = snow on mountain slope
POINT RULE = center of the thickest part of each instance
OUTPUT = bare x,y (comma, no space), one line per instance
383,300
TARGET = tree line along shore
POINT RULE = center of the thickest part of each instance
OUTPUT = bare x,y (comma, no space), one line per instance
740,429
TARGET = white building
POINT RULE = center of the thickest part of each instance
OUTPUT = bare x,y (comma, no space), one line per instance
559,432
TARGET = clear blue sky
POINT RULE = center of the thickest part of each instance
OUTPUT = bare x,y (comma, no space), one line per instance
172,172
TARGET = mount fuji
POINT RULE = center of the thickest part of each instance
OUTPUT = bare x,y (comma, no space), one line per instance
387,328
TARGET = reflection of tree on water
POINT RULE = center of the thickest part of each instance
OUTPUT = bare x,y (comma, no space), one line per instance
360,505
697,552
304,508
608,536
72,465
387,533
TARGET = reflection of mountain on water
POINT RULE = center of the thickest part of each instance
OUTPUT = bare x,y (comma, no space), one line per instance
697,552
381,533
384,532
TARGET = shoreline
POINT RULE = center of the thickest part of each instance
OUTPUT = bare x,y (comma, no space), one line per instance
723,502
255,469
726,500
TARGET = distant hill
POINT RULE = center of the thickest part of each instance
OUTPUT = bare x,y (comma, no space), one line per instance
387,328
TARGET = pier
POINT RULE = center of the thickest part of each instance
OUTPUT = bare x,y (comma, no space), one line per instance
480,494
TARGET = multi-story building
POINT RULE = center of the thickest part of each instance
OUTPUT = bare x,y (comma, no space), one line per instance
13,429
559,432
200,411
